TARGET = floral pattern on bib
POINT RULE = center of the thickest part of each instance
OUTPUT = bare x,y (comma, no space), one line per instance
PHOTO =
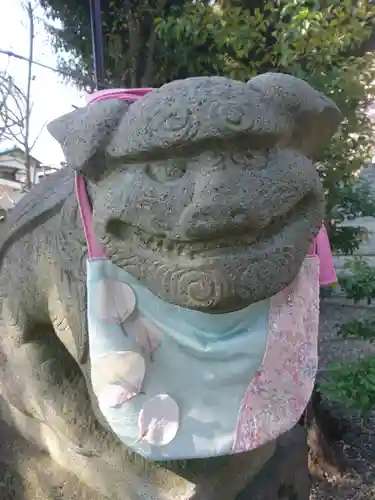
279,393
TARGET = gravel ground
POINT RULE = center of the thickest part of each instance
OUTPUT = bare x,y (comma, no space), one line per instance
359,441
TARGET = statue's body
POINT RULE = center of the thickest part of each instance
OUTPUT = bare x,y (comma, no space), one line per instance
207,195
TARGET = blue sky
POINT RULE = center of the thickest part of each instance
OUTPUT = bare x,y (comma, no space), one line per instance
51,96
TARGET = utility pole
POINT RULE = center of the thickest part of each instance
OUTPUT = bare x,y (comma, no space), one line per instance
97,44
30,15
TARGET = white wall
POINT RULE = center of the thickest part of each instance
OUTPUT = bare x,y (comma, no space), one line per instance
16,160
10,193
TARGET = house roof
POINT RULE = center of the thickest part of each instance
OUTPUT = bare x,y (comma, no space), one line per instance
14,149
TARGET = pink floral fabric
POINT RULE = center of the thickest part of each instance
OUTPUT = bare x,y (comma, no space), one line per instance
279,393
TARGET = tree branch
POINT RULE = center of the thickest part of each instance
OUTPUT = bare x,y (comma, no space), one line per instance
37,136
11,110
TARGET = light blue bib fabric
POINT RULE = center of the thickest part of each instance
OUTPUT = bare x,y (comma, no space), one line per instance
203,363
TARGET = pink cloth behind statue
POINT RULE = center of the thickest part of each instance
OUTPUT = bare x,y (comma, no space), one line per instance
320,246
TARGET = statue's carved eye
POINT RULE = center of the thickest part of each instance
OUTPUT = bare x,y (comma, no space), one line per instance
167,171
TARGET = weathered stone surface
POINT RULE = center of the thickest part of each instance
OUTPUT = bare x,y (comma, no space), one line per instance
212,202
109,471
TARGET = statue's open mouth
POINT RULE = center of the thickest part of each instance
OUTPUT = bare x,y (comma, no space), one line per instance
216,243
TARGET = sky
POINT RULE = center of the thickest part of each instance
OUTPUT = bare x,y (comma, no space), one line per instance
50,95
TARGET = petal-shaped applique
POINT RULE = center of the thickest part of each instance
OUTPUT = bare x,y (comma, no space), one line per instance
159,420
114,301
147,335
115,395
126,369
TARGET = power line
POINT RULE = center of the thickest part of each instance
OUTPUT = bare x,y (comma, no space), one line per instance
85,80
9,53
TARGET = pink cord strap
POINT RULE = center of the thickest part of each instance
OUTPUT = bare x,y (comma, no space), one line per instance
95,250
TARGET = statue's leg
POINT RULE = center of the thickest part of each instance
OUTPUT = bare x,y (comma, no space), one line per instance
66,338
41,379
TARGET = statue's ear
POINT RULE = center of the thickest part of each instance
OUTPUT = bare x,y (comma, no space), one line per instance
85,132
313,117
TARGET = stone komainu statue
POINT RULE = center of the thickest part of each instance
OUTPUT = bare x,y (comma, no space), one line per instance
190,331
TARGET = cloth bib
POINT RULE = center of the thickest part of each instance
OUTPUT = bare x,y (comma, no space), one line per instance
174,383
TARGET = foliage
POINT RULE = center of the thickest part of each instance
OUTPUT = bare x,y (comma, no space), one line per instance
353,384
362,329
133,52
359,283
346,201
294,36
